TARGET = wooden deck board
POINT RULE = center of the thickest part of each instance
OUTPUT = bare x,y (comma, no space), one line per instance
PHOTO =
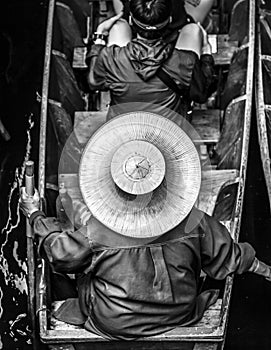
138,345
222,48
205,121
207,326
207,124
212,183
86,123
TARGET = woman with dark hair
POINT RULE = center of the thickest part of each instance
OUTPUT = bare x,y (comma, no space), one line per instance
150,18
184,11
130,68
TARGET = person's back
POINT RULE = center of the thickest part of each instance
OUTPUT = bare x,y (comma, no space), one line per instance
129,68
134,287
132,80
129,288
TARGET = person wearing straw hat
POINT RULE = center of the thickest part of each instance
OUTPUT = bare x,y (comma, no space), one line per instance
139,257
166,71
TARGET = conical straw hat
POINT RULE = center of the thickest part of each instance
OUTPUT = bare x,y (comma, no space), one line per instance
140,174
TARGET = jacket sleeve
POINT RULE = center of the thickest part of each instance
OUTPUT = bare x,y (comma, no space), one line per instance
66,251
203,82
96,71
221,256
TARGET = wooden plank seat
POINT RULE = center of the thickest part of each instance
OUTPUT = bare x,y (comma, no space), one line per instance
86,123
213,181
205,121
222,48
208,328
207,124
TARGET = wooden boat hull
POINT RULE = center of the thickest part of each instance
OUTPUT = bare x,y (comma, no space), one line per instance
63,102
262,89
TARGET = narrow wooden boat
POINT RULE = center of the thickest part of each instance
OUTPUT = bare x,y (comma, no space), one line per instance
262,88
223,125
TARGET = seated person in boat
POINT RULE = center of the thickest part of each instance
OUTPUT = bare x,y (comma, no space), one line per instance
139,257
184,12
160,66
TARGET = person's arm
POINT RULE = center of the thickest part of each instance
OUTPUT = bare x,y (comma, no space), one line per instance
67,251
203,82
220,255
97,81
260,268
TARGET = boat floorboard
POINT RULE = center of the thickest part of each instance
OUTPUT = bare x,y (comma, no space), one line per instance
208,328
205,121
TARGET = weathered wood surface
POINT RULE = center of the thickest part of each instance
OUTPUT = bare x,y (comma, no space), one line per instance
263,93
139,345
207,124
224,49
207,328
86,123
205,121
240,22
229,147
212,182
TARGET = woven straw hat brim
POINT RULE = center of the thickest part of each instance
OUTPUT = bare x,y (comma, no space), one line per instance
153,213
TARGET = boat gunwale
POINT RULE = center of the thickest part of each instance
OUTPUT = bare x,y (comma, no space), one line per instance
261,108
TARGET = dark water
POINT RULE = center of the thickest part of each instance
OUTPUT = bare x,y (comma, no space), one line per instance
22,30
21,59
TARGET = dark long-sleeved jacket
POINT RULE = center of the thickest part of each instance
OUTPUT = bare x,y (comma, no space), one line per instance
130,288
130,73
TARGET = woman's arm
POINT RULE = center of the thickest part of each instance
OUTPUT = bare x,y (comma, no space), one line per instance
67,251
99,43
260,268
220,255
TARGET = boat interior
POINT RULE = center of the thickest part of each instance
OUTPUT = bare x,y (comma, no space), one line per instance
73,113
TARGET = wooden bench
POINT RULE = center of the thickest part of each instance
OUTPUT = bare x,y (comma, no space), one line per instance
205,121
213,181
208,328
207,124
222,48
